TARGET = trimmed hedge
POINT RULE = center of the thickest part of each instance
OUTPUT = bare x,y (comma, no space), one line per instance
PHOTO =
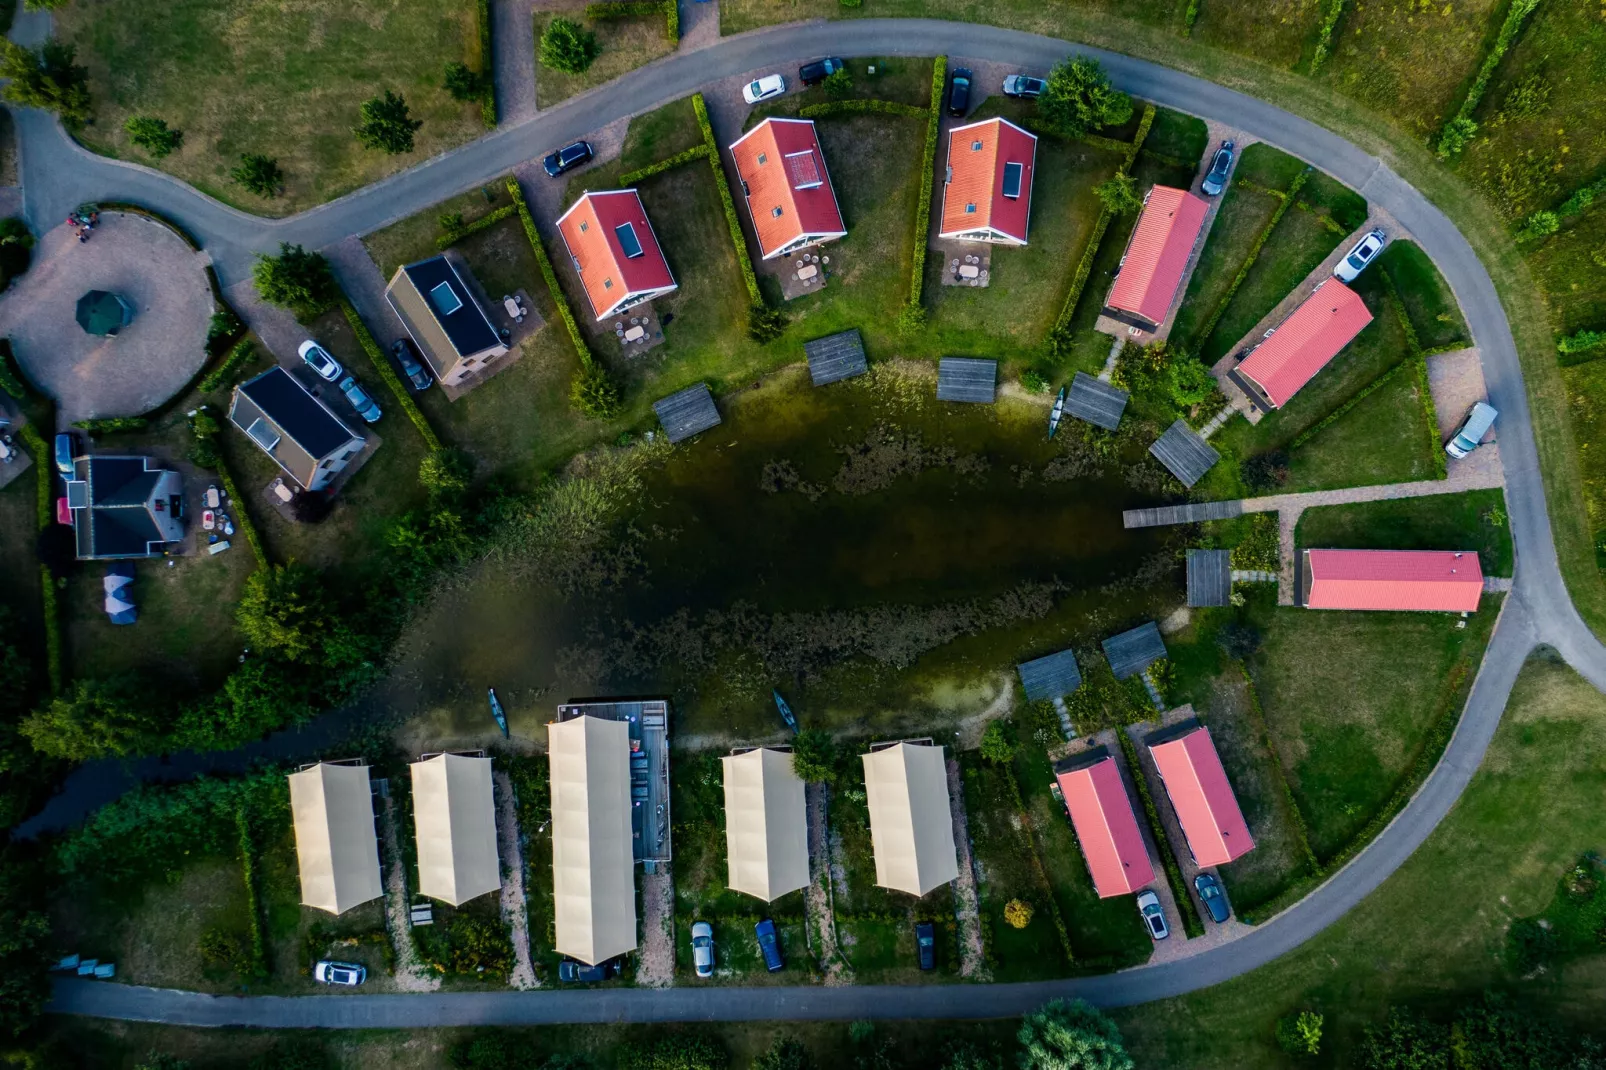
1324,36
242,353
44,510
628,9
9,382
544,262
242,514
487,67
253,901
484,222
754,294
696,152
382,366
917,272
1192,925
1289,196
860,107
1581,342
1460,126
105,425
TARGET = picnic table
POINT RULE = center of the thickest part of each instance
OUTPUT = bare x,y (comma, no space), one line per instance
969,271
807,272
635,333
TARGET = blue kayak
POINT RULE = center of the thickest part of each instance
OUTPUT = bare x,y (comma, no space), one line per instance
786,711
496,711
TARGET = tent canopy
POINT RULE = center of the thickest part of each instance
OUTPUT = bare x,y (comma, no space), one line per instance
455,822
336,850
911,825
103,314
766,826
593,867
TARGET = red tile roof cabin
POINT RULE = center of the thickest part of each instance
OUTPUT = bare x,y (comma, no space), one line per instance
1206,808
987,195
1326,322
786,186
1445,581
1158,253
1107,829
612,245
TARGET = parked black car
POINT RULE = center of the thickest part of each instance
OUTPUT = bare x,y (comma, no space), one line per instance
1216,180
818,71
1213,896
571,971
926,943
569,156
769,943
406,355
959,92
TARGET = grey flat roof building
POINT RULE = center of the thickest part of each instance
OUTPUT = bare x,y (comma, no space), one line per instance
1051,677
966,379
1132,652
1099,403
687,412
1209,577
1182,451
836,357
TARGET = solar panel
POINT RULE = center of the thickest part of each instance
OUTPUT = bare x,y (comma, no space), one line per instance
445,298
1012,179
628,241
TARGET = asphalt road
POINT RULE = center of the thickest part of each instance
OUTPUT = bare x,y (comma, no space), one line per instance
58,175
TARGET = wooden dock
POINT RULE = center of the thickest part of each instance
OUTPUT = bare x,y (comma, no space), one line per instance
1191,513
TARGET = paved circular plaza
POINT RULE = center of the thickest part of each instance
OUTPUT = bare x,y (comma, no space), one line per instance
145,363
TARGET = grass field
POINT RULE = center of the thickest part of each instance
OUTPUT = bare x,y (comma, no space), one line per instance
1279,32
282,80
1470,521
1567,269
1412,942
1429,304
1244,214
624,44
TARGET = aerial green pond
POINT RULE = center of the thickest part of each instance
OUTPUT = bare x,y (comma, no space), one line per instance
881,558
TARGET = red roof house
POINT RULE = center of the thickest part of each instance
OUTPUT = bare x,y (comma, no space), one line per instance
1445,581
1205,805
1158,253
787,187
987,195
1106,828
614,249
1312,335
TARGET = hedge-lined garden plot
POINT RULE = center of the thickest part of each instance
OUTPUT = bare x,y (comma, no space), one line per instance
1242,218
1475,520
1384,438
1426,297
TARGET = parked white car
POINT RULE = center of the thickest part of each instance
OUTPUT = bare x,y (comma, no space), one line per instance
319,360
702,948
771,85
1364,252
348,974
1478,423
1153,914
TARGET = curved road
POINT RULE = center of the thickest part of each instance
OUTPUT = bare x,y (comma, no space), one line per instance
57,175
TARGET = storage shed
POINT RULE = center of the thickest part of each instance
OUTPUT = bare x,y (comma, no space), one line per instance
836,357
1209,577
1095,401
1048,678
1132,652
1185,453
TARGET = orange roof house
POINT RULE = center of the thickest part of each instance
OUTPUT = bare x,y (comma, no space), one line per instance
1157,254
1301,345
1106,827
987,191
613,247
1206,808
786,186
1445,581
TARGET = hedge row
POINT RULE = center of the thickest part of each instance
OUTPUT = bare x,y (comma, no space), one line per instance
1324,36
1296,817
239,356
1581,342
484,222
487,67
9,382
134,209
626,9
242,513
1191,923
1460,126
44,513
1189,17
696,152
917,273
1289,196
754,294
253,901
860,107
561,302
382,366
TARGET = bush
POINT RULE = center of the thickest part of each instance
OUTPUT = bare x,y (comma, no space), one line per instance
1300,1035
1460,129
1582,341
46,78
1525,100
567,46
696,152
594,394
219,377
1018,913
765,325
387,372
285,610
464,84
914,317
111,424
911,320
16,249
259,174
1079,99
117,716
153,135
814,756
838,84
1071,1035
998,743
1119,194
1034,381
1188,381
859,107
675,1053
1324,37
297,280
386,123
446,472
224,326
1529,945
1265,472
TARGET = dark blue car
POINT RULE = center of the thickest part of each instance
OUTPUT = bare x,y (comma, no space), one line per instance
65,448
770,945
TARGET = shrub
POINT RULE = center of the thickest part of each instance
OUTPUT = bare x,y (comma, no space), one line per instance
285,610
859,107
764,324
153,135
1119,194
784,1053
1034,381
1324,37
1530,944
594,394
385,123
100,718
838,84
814,756
911,320
384,369
1582,341
1300,1034
297,280
1457,132
16,249
446,472
222,328
567,46
112,424
1525,100
46,78
1017,912
259,174
682,1052
1460,129
1188,381
1539,225
998,742
463,84
219,377
1070,1035
1079,98
696,152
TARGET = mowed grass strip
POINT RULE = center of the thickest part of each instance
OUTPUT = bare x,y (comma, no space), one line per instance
1428,302
1385,438
1244,213
1470,521
283,80
624,45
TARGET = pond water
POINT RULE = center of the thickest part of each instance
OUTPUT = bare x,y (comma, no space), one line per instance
882,558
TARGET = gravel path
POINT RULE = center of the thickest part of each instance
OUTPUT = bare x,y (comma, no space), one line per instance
410,975
513,52
515,913
817,897
657,966
967,910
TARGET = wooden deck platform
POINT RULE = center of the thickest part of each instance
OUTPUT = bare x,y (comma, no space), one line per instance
1132,652
687,412
1099,403
1191,513
1209,577
967,379
1182,451
1051,677
836,357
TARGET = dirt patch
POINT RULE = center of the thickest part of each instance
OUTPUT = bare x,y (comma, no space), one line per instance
657,966
818,899
515,914
967,911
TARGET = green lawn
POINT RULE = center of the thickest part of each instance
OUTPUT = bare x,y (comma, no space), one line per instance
659,134
901,79
1429,935
1182,137
282,80
1568,269
414,238
1280,32
1243,216
1586,390
1268,167
1429,304
1474,520
1385,438
624,44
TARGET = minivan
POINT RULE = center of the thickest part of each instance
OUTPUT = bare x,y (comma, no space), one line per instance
1478,423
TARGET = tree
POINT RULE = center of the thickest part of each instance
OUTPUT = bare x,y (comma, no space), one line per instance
567,46
1267,471
153,135
765,324
998,742
1018,913
1079,98
1119,194
1300,1034
1188,381
286,611
385,123
99,719
784,1053
24,943
1071,1035
838,84
970,1057
463,84
446,472
46,78
814,756
297,280
594,394
259,174
1406,1042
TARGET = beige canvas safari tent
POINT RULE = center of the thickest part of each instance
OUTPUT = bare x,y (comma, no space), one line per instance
593,868
336,850
455,821
911,826
766,828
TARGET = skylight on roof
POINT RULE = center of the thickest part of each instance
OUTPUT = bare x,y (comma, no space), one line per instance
626,233
970,208
975,146
77,494
763,159
263,434
1012,179
776,211
445,298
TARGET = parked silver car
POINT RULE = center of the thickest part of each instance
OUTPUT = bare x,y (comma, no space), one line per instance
1153,914
702,948
1478,423
1364,252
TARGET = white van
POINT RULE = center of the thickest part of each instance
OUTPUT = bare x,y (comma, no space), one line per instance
1478,423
